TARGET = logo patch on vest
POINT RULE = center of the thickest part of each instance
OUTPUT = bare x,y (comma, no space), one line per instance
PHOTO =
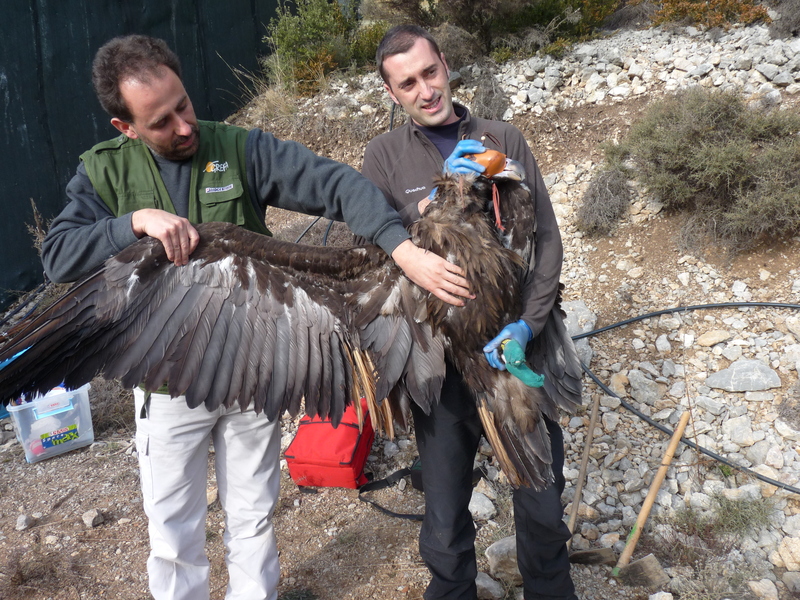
216,167
219,189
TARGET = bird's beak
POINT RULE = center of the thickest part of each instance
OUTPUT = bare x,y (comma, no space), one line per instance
513,170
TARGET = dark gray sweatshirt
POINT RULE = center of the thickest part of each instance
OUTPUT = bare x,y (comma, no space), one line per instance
284,174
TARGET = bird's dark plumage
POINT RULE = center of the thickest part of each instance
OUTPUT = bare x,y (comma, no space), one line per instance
255,320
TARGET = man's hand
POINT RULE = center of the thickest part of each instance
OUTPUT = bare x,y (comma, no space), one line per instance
442,279
178,235
519,332
456,163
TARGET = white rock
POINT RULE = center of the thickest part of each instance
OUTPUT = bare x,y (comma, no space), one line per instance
92,518
481,507
488,588
789,552
764,589
502,557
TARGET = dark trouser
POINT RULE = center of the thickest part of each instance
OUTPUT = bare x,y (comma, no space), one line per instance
447,441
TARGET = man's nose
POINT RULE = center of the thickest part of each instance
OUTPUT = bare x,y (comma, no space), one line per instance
183,129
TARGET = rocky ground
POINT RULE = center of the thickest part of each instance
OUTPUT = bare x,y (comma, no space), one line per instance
734,369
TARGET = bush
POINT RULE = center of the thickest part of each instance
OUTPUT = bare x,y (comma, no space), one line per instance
365,40
705,542
733,169
506,23
313,29
489,102
605,202
311,38
711,13
788,24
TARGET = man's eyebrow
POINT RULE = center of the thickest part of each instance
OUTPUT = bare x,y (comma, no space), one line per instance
160,118
405,81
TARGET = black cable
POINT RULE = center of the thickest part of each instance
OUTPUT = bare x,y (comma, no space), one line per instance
327,231
664,428
668,311
306,230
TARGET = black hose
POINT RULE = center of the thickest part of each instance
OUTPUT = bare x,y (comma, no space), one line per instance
664,428
668,311
327,231
306,230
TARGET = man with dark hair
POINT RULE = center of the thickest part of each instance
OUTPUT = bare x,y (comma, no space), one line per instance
165,172
403,164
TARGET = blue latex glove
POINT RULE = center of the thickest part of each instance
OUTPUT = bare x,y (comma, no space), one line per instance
456,163
520,332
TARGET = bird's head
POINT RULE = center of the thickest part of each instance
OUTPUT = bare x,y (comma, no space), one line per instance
498,165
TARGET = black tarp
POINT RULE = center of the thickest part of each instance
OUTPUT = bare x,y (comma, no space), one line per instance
50,114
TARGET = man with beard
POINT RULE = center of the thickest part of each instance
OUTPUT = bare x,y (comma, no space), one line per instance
439,136
166,171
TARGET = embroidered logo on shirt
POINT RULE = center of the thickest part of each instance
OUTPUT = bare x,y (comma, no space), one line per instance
417,189
216,167
219,189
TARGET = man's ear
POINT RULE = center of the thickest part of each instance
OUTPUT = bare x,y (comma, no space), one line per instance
125,127
391,95
444,62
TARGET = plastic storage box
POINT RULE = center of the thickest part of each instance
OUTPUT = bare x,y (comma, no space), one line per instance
55,423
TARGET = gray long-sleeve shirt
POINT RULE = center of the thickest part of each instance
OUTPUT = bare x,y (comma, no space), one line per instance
404,162
280,173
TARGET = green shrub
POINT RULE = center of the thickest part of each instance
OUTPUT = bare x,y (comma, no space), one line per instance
497,22
311,38
734,170
365,40
304,30
502,54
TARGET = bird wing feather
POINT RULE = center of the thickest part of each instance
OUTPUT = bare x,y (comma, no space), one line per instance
250,320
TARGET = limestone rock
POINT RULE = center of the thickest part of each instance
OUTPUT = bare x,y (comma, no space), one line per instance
92,518
745,375
502,557
488,588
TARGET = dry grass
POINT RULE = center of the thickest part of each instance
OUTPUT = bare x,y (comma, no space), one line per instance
38,573
706,542
112,408
789,23
605,202
490,101
789,409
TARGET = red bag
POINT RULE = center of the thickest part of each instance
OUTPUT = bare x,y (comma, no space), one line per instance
323,456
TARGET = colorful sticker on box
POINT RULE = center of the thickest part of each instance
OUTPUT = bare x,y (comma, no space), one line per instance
60,436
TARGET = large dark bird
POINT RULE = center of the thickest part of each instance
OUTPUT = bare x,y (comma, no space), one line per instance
254,319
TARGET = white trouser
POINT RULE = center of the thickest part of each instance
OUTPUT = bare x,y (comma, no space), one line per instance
173,442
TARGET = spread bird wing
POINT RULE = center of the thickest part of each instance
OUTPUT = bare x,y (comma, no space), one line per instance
252,320
249,319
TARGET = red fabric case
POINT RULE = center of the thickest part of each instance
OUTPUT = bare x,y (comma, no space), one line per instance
323,456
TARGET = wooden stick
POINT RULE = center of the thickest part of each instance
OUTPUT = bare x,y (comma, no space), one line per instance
576,499
633,537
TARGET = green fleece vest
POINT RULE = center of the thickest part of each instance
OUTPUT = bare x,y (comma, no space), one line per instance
126,177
